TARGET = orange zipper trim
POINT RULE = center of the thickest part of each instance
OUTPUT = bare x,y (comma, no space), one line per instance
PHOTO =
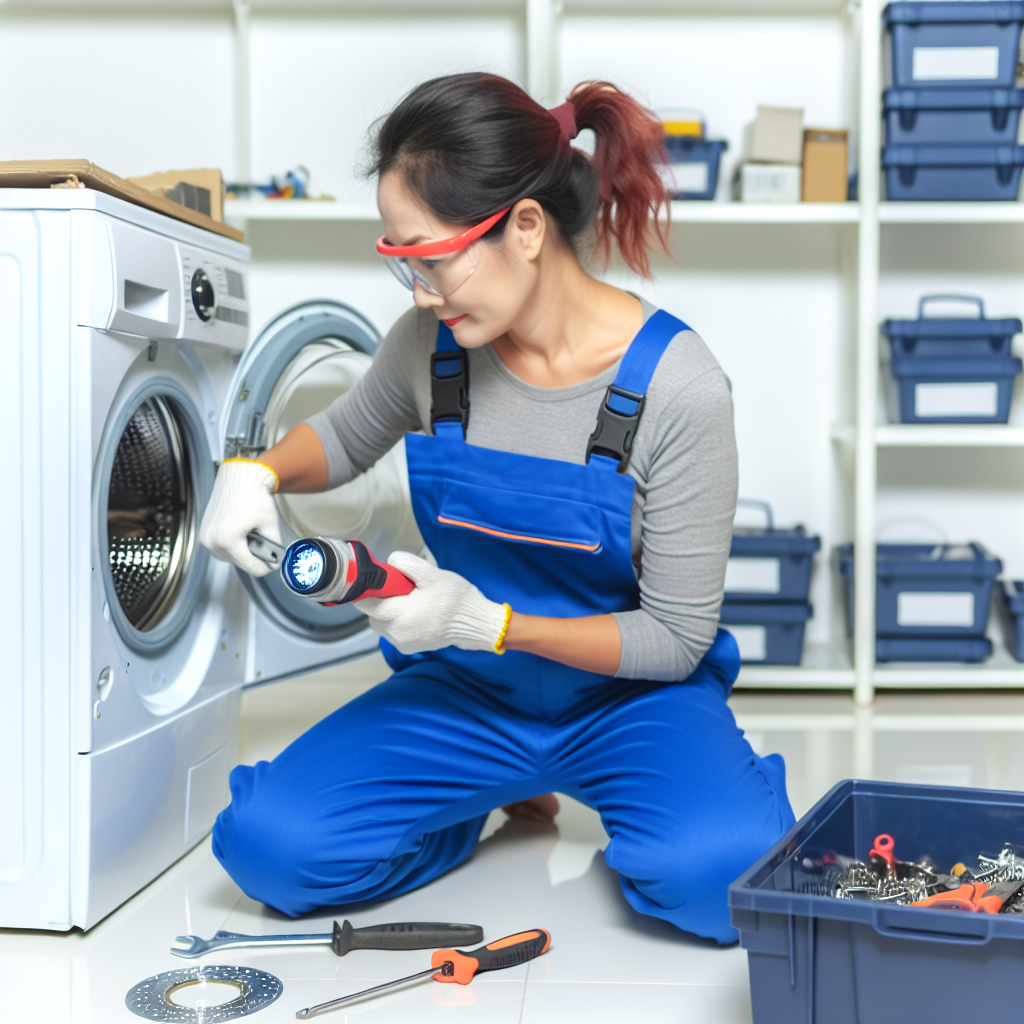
519,536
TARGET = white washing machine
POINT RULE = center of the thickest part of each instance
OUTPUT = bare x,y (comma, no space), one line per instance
124,378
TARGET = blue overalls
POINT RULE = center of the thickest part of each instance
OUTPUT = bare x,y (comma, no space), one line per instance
393,788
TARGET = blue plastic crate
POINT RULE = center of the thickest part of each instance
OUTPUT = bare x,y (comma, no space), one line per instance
1011,599
928,390
767,634
814,959
693,163
953,43
927,590
938,117
933,648
769,564
951,338
952,173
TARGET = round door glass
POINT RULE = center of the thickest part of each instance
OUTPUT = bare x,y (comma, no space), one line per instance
151,514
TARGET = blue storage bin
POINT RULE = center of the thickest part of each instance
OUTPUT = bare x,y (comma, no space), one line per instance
932,648
1011,599
927,590
814,959
937,117
952,173
767,634
769,564
693,165
951,338
953,43
927,390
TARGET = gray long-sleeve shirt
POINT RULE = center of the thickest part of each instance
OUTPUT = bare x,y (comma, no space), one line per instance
683,461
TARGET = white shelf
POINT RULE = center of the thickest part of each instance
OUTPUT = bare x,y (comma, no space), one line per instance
936,435
951,213
824,667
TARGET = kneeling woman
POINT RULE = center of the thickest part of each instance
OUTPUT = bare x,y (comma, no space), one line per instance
573,472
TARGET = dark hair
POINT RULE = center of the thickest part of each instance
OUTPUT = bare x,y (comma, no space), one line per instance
469,145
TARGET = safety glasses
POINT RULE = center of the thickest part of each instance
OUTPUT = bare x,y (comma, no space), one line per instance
440,267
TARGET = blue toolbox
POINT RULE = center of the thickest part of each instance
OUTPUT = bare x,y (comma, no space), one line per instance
769,564
930,390
954,43
951,337
932,593
767,634
952,173
936,117
815,958
693,164
1011,598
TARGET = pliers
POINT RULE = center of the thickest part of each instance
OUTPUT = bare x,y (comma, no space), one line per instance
976,897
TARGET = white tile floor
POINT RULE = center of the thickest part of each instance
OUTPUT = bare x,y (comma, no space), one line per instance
607,963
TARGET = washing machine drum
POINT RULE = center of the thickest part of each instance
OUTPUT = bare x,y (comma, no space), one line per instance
150,514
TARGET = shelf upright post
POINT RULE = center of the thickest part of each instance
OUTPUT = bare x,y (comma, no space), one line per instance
867,352
541,50
243,93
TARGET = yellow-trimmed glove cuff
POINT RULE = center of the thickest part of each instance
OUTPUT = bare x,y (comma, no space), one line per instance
256,462
499,647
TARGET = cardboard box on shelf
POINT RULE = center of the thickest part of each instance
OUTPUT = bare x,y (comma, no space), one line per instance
165,183
775,136
767,183
825,177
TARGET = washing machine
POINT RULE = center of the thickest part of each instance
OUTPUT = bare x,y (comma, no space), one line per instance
126,379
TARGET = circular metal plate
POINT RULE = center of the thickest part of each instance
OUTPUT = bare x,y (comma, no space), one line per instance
149,998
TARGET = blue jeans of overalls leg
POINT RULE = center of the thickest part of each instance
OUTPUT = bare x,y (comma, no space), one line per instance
392,790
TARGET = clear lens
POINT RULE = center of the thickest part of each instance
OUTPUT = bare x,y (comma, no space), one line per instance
441,275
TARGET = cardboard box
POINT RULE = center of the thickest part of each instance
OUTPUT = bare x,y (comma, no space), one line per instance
202,177
825,177
767,183
775,136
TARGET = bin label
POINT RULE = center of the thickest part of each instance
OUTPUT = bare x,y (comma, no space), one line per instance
943,608
751,640
974,398
689,177
753,576
955,63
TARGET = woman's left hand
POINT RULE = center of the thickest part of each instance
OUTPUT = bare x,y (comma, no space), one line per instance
444,610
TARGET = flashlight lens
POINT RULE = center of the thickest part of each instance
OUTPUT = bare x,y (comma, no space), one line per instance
304,566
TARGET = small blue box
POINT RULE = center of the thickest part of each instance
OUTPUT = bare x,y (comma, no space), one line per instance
770,564
1011,598
951,338
814,959
938,117
933,648
953,43
927,590
767,634
928,390
693,166
952,173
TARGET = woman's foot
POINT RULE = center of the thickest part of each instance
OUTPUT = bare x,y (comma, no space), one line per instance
537,808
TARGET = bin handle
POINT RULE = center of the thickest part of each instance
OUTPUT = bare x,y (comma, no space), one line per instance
972,300
760,506
891,923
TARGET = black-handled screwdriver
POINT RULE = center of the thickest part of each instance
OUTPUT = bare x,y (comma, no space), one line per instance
458,966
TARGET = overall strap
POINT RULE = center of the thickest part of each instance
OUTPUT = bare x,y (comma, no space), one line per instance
449,386
623,402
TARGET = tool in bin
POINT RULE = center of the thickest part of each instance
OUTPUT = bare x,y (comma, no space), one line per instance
458,966
343,939
330,571
975,897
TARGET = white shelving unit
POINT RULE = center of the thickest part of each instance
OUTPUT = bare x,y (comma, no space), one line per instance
860,437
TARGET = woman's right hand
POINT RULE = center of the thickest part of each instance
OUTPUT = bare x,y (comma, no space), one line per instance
242,501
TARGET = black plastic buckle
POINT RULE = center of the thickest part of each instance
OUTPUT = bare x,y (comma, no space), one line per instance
449,392
615,431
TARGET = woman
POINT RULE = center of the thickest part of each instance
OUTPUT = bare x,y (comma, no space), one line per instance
573,472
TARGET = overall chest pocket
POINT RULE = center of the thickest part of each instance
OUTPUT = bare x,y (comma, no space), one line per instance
520,518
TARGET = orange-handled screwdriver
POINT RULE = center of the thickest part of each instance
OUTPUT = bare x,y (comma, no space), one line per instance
458,966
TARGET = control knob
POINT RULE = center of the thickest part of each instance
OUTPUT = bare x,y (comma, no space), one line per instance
203,296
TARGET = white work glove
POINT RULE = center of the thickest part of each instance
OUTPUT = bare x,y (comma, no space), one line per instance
445,609
242,501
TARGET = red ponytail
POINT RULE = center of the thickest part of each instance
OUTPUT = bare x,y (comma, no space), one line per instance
629,148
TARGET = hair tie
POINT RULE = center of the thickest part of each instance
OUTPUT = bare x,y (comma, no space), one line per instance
565,115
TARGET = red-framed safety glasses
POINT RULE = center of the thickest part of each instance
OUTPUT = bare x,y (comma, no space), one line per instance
440,267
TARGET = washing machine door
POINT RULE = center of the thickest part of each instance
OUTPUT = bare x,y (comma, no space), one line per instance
302,361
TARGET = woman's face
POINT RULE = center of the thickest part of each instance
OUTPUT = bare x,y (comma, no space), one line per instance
492,281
